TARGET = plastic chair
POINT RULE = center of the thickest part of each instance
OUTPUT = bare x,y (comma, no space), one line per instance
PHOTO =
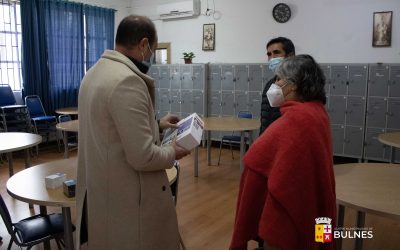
41,121
33,230
233,139
6,96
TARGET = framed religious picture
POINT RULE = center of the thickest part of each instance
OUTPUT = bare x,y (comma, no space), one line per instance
382,33
209,36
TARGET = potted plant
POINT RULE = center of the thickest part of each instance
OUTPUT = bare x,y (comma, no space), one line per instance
188,56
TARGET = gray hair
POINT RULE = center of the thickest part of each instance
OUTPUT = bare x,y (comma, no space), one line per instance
304,72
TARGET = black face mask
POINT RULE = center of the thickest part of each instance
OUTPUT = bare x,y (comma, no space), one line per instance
141,66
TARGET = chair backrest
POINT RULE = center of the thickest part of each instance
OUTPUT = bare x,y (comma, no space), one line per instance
35,106
5,215
64,118
6,96
245,114
174,186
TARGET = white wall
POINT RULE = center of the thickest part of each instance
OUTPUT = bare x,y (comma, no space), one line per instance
122,7
333,31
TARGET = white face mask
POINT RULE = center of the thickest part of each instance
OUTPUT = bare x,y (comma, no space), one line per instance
275,95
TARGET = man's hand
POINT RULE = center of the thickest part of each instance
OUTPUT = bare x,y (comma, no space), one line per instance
169,121
179,151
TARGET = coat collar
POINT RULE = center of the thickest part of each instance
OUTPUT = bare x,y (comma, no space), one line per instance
119,57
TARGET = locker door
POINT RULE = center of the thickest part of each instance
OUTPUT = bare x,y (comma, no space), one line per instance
187,101
240,101
164,100
175,97
327,73
241,78
214,103
353,142
355,112
215,77
376,112
227,103
255,103
378,80
198,102
394,83
186,77
198,77
175,77
373,149
155,74
393,118
164,77
337,138
357,79
339,80
227,77
337,108
267,75
255,78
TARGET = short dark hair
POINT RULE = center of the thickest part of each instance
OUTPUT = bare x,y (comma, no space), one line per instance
304,72
133,29
287,45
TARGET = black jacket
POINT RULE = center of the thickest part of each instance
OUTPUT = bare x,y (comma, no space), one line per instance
268,113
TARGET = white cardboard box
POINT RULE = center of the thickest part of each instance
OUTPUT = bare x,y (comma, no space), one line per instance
188,134
55,180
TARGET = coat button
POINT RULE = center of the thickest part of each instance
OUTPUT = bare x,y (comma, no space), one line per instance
163,188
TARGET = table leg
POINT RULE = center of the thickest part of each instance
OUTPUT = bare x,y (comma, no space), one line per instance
46,244
65,141
360,224
27,158
10,164
209,148
196,161
242,149
392,154
68,238
340,222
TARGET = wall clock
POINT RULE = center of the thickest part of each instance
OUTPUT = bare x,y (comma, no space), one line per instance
281,13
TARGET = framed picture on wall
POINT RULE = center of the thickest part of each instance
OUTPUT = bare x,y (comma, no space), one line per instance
382,33
209,36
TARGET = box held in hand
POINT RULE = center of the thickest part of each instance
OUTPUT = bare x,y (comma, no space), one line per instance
55,180
69,188
188,134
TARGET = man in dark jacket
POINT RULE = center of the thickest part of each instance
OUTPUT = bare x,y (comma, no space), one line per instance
277,49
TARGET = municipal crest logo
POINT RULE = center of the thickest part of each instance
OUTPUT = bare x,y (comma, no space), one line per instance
323,229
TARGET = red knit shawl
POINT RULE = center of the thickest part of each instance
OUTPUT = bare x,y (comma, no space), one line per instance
288,181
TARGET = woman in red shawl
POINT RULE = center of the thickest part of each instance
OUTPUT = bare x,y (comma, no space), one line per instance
288,180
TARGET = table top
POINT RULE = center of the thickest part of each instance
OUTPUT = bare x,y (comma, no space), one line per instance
391,139
71,126
369,187
230,124
14,141
67,111
29,185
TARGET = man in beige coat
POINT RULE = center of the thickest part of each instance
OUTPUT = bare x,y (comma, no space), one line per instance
121,167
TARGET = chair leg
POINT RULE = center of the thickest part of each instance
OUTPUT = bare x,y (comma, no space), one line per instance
220,148
230,144
181,241
58,243
10,244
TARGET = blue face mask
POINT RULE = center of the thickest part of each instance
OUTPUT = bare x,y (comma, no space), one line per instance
274,63
151,59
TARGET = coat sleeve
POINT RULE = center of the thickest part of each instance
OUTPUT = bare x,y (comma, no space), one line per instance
130,106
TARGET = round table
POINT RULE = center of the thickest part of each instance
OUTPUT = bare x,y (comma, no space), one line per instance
14,141
69,126
67,111
393,140
29,186
226,124
368,188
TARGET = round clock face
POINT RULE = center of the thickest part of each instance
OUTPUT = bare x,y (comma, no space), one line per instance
281,13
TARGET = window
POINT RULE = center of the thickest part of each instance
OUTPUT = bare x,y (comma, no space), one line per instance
10,44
